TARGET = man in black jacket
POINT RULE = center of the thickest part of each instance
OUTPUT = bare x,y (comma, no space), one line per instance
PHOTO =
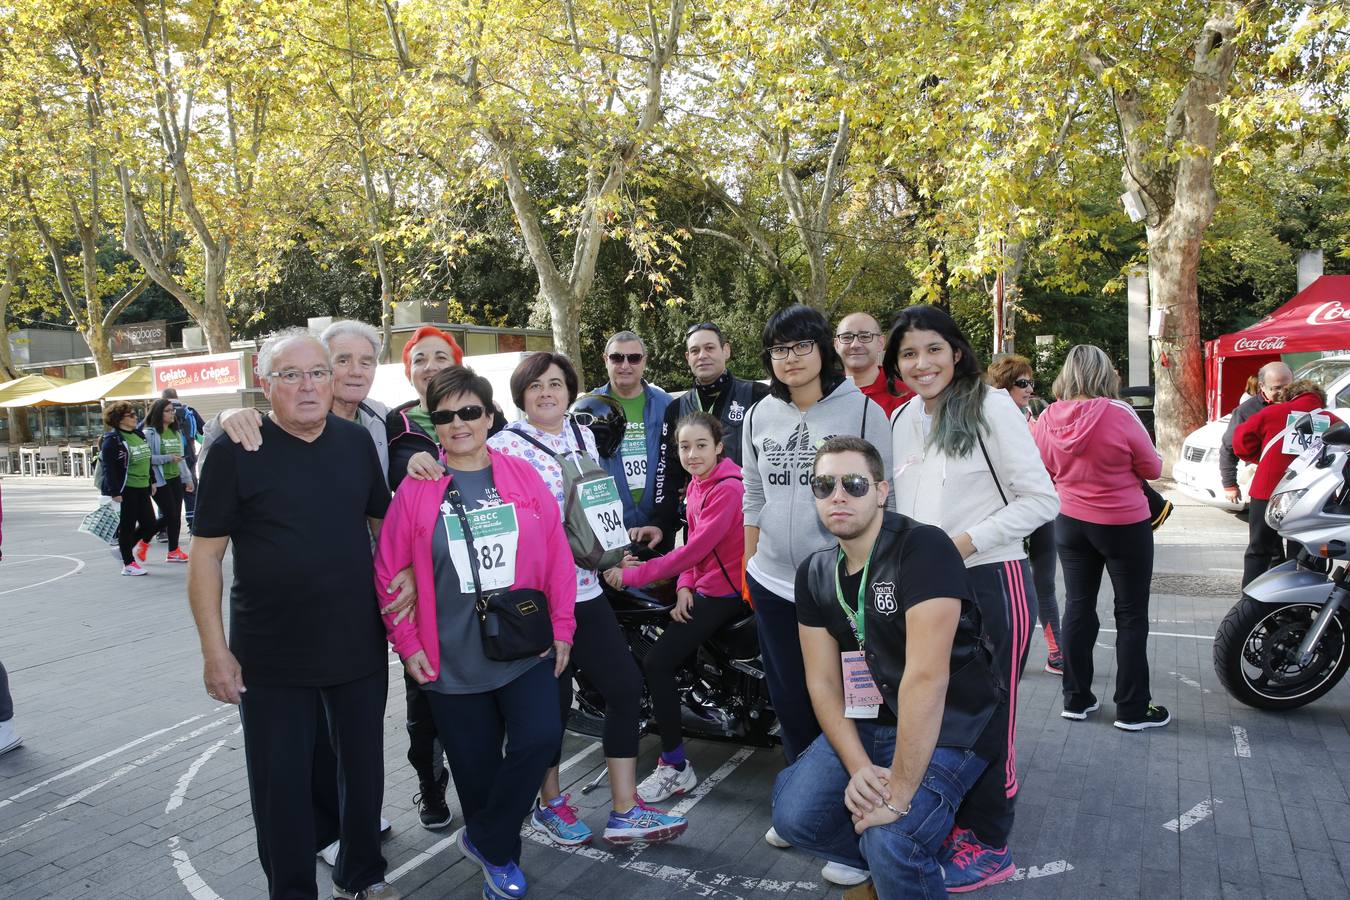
716,391
893,643
1269,379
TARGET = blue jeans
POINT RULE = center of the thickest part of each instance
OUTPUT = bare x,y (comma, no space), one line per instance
809,813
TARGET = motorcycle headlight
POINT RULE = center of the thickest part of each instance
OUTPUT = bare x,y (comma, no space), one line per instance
1280,505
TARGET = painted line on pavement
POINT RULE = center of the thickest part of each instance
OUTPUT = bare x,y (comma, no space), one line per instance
79,565
1242,747
180,789
187,873
1152,633
1058,867
1189,682
1193,816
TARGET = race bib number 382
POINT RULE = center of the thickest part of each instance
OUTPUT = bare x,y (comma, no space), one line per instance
495,537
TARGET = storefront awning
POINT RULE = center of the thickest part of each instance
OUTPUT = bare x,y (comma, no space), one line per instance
19,391
124,384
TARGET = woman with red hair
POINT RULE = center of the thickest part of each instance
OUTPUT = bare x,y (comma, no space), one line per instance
409,427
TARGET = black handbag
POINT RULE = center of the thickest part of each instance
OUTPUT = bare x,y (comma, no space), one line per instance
514,624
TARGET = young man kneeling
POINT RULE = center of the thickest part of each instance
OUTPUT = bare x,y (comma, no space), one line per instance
892,642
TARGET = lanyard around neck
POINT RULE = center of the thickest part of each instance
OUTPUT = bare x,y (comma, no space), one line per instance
855,616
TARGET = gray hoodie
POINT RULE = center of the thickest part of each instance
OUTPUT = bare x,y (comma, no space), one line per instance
779,445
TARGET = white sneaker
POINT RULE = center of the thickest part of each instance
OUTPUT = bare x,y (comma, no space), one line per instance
842,875
329,854
772,838
385,825
133,568
667,781
9,738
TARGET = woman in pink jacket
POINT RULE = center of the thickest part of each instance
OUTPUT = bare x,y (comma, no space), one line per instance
477,702
1096,451
708,593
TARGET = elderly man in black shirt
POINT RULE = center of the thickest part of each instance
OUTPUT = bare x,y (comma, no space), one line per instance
893,646
304,620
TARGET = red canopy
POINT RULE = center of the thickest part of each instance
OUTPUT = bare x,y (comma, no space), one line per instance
1318,318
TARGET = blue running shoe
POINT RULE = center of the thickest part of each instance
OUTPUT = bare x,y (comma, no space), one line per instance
503,881
558,820
643,823
976,865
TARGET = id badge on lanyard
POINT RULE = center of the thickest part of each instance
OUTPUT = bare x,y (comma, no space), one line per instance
496,535
862,699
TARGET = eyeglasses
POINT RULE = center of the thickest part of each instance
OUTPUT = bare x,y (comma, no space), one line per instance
854,485
632,358
464,413
295,376
1024,383
801,348
862,337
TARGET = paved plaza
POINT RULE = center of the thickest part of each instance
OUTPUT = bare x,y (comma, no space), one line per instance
131,781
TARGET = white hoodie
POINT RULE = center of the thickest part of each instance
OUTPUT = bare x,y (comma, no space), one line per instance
959,494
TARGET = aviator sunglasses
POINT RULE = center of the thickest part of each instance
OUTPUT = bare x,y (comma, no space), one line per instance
854,485
1024,383
632,358
465,413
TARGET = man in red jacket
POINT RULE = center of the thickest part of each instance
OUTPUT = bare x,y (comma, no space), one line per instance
1268,440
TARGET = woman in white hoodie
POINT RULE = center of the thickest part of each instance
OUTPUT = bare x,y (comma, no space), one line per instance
965,462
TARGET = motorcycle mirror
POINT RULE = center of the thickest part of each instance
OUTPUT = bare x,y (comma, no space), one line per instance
1304,425
1337,435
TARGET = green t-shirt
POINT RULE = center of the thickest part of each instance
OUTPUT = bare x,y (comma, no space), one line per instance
138,460
170,444
422,419
634,448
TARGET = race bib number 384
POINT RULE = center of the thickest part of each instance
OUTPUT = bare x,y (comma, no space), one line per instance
604,511
495,537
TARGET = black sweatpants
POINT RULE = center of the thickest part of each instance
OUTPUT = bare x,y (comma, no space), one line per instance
679,641
1008,609
423,745
169,499
780,647
1265,547
1126,554
499,744
138,520
600,652
1044,559
281,729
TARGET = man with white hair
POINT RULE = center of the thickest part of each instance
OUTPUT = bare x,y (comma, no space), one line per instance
1269,379
305,632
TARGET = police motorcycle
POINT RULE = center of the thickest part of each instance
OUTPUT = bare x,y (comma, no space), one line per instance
1284,644
723,694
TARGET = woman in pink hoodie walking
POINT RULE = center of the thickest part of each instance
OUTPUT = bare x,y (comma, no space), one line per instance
1096,451
708,590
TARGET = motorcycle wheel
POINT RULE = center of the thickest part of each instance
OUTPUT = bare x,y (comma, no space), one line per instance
1255,649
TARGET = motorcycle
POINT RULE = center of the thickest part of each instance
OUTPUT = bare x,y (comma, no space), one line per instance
723,695
1284,644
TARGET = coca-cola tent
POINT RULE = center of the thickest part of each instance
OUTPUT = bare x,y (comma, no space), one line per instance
1317,319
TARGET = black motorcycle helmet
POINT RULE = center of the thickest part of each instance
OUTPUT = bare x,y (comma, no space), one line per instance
604,417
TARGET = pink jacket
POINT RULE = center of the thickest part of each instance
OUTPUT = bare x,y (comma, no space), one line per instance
716,533
543,558
1096,452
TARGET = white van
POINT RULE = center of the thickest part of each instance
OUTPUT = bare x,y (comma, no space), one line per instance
1197,471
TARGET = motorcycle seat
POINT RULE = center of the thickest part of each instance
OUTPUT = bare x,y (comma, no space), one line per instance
739,639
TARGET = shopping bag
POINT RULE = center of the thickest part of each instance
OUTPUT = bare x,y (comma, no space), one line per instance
103,522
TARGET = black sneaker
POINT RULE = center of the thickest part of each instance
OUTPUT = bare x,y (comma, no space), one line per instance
431,805
1154,717
1081,714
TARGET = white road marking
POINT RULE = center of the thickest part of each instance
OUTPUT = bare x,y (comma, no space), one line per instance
187,873
79,565
100,758
1241,746
1058,867
1152,633
1230,571
579,756
1105,646
420,858
180,789
1189,682
1193,816
712,781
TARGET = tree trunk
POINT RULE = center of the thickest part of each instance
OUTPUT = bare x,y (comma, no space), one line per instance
1179,375
215,324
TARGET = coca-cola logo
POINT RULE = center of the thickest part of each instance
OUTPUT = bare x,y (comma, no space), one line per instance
1265,343
1329,314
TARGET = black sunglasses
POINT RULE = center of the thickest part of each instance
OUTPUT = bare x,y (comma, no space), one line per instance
854,485
618,358
1024,383
465,413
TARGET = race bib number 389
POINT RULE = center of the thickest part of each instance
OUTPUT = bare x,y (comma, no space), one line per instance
495,537
604,510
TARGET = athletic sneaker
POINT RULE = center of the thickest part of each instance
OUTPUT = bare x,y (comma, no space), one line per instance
1153,717
378,891
504,881
842,875
1081,714
142,548
642,823
176,556
133,568
430,802
558,820
773,839
329,854
667,781
977,865
952,842
9,738
1054,659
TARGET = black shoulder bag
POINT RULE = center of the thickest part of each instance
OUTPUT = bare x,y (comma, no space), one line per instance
514,624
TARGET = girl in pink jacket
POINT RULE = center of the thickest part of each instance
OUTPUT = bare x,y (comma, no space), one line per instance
708,588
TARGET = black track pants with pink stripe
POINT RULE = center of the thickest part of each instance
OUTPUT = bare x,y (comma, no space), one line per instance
1007,602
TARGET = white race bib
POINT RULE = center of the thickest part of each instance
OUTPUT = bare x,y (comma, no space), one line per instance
634,455
604,510
495,537
1296,443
